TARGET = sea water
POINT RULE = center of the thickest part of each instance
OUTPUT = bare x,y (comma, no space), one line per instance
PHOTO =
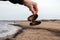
7,29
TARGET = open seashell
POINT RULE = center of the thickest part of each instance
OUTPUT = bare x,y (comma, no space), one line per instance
32,17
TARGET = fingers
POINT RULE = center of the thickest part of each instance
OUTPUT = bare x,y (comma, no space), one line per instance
34,8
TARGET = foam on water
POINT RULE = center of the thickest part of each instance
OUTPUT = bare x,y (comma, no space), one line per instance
6,29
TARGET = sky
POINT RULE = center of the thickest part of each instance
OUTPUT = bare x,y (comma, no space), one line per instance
48,9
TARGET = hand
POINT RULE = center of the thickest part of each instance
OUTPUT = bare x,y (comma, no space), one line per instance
32,6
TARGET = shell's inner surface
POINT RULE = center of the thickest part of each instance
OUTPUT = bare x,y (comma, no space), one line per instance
32,17
35,23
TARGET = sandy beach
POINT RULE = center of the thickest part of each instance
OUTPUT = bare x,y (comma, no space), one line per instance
47,30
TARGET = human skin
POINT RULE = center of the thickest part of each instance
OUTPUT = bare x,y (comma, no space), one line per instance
28,3
32,6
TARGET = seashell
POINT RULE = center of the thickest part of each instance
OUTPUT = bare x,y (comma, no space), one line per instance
35,23
32,17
